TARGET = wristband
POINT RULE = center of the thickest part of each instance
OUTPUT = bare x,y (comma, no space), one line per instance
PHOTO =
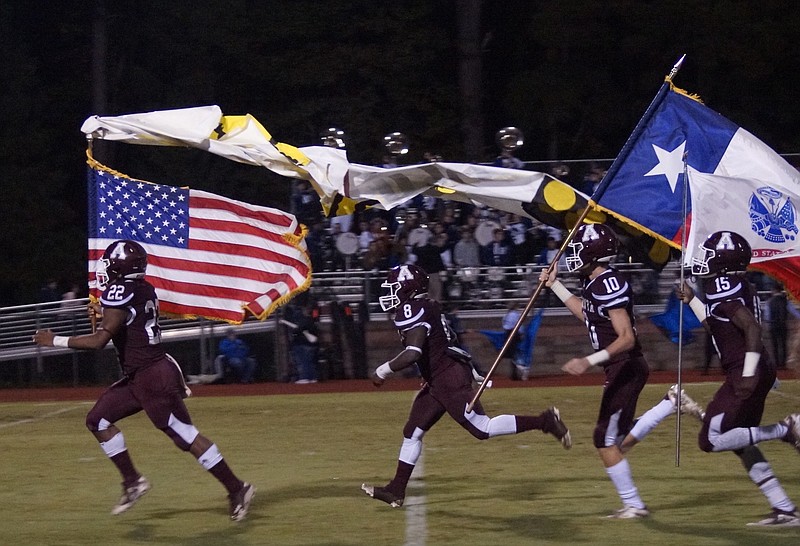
698,308
750,363
384,371
561,291
61,341
598,358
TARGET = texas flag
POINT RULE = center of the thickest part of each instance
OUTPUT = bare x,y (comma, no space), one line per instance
646,185
736,182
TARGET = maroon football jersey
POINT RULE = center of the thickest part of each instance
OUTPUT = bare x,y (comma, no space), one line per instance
725,295
427,313
138,343
609,290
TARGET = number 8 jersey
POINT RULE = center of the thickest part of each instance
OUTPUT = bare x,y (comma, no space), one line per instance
138,343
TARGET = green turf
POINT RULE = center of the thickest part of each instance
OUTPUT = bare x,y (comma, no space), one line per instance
308,455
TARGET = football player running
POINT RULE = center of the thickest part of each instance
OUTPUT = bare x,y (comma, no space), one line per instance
151,379
431,344
731,313
606,307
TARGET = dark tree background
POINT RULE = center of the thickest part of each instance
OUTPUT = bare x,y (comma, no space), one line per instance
575,76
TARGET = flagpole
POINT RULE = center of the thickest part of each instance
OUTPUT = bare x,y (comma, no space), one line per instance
626,149
526,310
682,278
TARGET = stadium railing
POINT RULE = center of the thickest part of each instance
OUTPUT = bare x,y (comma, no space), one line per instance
478,292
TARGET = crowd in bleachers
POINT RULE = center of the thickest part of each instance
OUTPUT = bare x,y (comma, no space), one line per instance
432,233
439,235
436,234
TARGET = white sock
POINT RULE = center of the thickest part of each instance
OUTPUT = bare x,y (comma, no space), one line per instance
210,458
651,418
502,425
737,438
769,432
762,476
622,479
114,446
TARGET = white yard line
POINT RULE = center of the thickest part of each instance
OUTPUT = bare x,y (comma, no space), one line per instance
41,417
414,506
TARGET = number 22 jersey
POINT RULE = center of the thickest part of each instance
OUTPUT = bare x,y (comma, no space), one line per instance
138,342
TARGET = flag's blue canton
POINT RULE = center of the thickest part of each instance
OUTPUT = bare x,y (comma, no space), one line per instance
121,208
648,188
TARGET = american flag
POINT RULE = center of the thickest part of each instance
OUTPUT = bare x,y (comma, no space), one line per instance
208,256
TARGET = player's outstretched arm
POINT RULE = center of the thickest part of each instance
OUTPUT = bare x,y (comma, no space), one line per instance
113,320
415,340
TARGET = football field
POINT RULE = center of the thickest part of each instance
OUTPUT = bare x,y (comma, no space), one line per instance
309,453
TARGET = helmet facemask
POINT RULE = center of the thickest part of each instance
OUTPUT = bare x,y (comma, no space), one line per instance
101,274
700,266
390,300
573,259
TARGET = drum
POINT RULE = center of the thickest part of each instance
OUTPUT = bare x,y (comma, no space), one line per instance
484,233
347,243
419,237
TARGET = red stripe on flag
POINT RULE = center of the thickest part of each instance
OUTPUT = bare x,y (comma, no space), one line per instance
183,310
208,201
223,249
233,228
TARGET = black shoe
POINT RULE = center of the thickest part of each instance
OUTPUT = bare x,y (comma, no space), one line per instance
779,518
131,495
382,494
557,428
240,501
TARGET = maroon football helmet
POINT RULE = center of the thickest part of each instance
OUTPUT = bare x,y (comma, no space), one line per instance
722,252
593,243
403,283
121,260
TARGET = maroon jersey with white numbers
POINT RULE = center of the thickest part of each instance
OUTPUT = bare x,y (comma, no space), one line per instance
426,313
138,343
609,290
725,295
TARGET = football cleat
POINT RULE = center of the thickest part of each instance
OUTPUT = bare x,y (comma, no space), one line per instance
240,501
792,422
130,495
779,518
557,428
629,512
688,406
383,494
